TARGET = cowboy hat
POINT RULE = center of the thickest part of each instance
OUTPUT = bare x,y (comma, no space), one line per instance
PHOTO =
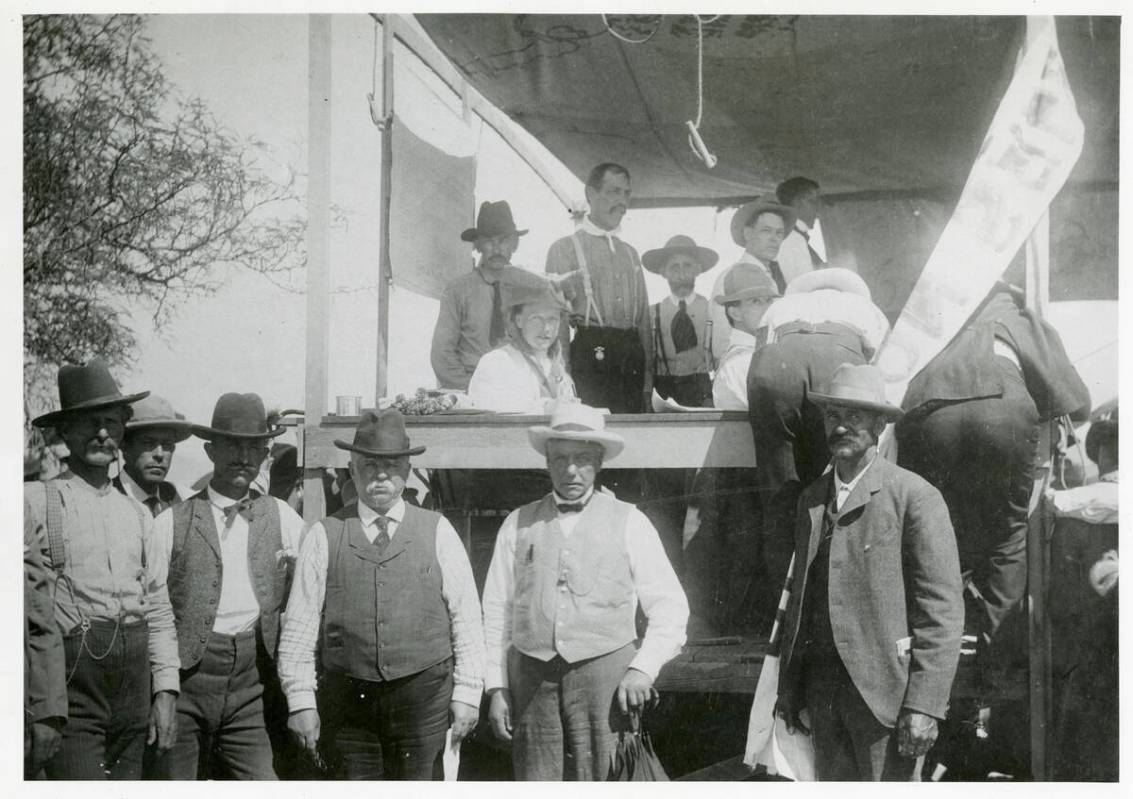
86,388
381,435
858,387
155,413
573,421
493,220
745,281
746,213
830,277
655,260
519,287
238,416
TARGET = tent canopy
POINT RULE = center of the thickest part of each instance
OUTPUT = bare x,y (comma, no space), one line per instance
878,104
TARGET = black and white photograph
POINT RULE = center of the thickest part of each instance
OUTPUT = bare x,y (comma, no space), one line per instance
491,395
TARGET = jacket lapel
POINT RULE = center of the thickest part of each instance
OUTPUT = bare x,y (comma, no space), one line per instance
203,522
402,539
358,543
817,510
869,485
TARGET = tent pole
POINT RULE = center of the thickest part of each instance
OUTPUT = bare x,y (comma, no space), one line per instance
318,247
385,271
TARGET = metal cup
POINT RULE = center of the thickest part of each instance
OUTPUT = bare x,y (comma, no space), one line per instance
348,406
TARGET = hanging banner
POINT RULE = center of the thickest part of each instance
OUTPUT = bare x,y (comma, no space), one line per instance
1032,144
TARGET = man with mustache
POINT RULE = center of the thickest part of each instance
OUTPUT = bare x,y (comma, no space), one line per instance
872,630
384,594
471,319
612,350
119,642
152,434
228,552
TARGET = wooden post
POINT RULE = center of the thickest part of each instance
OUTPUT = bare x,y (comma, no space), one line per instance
318,247
385,271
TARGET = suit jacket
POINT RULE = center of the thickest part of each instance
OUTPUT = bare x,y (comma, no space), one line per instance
896,605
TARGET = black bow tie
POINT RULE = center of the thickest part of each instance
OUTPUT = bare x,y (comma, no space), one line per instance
243,508
570,507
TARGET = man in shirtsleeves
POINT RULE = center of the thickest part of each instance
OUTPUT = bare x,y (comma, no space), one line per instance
152,434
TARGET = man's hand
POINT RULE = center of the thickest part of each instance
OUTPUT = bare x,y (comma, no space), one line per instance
462,719
305,726
163,721
43,743
499,713
635,689
788,710
916,733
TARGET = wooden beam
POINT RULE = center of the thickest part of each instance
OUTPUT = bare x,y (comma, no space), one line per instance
385,268
318,247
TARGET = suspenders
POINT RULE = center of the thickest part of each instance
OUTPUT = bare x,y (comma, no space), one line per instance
586,285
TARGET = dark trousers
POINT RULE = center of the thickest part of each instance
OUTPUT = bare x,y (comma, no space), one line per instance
980,455
108,703
390,730
850,744
692,391
220,714
608,368
790,439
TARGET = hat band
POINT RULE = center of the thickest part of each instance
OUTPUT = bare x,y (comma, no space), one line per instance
854,394
574,427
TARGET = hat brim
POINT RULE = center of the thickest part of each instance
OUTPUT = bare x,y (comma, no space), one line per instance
377,453
655,260
209,433
612,444
891,412
471,234
54,417
747,212
182,429
746,294
834,277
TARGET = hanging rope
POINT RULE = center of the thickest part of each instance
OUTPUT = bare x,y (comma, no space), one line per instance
371,96
695,142
628,40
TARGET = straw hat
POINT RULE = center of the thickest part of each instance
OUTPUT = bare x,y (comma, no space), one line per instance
746,213
858,387
830,277
655,260
574,421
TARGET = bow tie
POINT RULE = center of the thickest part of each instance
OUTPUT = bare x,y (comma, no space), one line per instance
242,508
570,507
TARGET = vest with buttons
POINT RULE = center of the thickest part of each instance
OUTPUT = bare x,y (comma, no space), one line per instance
574,596
196,569
384,616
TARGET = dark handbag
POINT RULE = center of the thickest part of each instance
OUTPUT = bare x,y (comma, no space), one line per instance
634,759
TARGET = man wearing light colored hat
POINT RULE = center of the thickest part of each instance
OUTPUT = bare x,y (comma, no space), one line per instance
384,596
229,553
152,434
747,294
564,665
873,626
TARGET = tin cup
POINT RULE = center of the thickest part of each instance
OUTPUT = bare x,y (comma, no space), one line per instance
348,406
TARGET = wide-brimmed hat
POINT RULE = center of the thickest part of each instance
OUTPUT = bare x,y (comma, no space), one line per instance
238,416
573,421
1101,432
86,388
519,287
155,413
655,260
857,387
742,218
382,435
745,281
830,277
493,220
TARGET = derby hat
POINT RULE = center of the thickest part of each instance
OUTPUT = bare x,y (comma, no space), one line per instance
830,277
655,260
1103,431
86,388
238,416
749,212
520,287
382,435
155,413
573,421
858,387
493,220
746,281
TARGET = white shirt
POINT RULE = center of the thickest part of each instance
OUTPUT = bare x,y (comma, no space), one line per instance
721,329
842,490
1096,503
829,305
655,586
505,382
794,253
300,635
237,609
132,488
729,387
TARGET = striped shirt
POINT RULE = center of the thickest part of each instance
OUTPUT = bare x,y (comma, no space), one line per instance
615,275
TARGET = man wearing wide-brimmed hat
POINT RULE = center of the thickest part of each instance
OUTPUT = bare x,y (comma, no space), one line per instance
682,326
384,594
120,645
873,626
565,667
229,553
152,434
748,292
471,318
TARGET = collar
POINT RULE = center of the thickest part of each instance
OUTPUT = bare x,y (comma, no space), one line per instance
221,501
585,498
802,226
748,258
741,338
79,481
136,491
368,515
588,227
482,272
849,487
676,301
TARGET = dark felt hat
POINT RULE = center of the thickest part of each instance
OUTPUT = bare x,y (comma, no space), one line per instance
381,434
858,387
655,260
1103,431
494,219
86,388
155,413
238,416
749,212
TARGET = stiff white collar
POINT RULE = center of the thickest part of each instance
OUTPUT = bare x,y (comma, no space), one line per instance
368,515
587,226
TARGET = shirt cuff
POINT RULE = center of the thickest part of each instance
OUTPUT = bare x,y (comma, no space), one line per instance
166,679
646,664
301,699
495,677
466,694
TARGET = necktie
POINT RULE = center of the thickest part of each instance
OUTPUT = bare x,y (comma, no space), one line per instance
496,329
382,540
777,276
815,259
570,507
154,503
241,508
682,329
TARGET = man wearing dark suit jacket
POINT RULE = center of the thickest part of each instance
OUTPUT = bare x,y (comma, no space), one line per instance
873,627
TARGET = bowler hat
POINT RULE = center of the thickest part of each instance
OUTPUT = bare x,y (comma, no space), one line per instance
573,421
1103,431
86,388
746,213
655,260
858,387
494,219
238,416
381,434
155,413
746,281
829,277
